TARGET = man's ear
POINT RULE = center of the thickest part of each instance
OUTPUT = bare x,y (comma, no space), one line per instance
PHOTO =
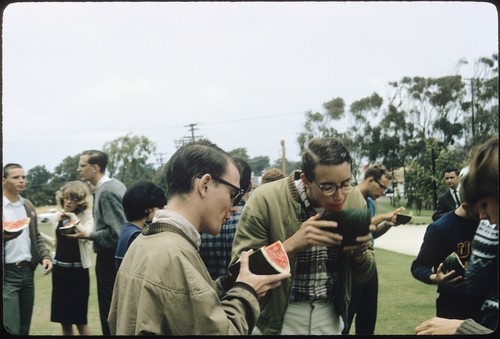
304,179
202,185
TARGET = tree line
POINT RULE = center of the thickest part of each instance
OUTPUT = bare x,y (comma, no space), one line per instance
424,125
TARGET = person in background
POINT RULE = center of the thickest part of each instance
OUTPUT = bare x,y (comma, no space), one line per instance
450,200
271,174
315,300
109,219
480,187
22,252
140,202
215,250
364,296
70,275
163,286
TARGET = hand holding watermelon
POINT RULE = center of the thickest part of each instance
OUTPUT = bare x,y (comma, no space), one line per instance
259,282
313,232
444,277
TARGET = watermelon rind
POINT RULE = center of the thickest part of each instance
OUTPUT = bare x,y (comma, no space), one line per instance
351,223
69,228
402,219
453,262
262,263
7,228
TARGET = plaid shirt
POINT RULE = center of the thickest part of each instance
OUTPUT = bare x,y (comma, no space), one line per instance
215,250
316,269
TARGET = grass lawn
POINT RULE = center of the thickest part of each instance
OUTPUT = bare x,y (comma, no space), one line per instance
403,301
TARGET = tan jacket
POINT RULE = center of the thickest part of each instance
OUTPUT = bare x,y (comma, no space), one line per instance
164,288
270,214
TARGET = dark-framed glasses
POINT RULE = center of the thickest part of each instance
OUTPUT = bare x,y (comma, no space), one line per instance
331,188
384,188
237,193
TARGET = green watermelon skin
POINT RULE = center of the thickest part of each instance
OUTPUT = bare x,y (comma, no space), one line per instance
259,264
351,223
453,262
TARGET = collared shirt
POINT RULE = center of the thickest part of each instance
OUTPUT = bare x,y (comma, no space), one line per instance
101,181
215,250
176,219
456,197
18,249
316,269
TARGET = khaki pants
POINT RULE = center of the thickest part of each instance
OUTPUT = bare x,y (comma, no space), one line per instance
310,318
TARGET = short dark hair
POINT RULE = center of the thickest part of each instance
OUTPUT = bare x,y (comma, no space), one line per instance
98,158
245,173
451,169
324,151
8,167
140,196
191,161
377,171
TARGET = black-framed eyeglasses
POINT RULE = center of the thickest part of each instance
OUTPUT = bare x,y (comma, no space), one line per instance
331,188
235,196
384,188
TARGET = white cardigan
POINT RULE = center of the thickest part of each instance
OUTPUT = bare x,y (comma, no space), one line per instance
85,245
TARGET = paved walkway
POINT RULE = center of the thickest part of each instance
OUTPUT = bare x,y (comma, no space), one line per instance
405,239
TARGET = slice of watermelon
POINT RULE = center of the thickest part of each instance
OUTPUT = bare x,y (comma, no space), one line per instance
15,226
69,227
276,256
271,259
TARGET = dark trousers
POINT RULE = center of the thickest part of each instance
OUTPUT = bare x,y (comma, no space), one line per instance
363,306
18,298
105,273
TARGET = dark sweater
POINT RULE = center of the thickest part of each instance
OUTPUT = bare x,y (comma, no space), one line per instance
450,233
108,215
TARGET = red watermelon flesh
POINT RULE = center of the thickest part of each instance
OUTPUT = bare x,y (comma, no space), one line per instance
15,226
271,259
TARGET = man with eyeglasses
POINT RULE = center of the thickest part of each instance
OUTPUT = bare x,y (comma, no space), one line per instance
162,286
215,250
364,296
315,299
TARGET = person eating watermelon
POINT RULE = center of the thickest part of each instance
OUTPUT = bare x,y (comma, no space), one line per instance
314,301
24,248
163,286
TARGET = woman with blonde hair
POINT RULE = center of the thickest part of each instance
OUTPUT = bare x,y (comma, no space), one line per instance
70,276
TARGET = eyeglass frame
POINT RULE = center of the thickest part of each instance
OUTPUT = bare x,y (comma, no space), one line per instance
341,187
384,188
237,198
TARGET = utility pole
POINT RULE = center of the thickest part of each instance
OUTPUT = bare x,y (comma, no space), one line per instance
472,122
472,106
159,158
191,127
187,139
283,157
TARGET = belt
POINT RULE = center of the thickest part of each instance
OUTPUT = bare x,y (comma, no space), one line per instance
67,264
19,264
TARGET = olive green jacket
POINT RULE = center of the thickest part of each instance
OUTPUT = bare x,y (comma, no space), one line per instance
270,214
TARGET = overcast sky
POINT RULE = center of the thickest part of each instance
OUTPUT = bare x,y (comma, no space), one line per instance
76,75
